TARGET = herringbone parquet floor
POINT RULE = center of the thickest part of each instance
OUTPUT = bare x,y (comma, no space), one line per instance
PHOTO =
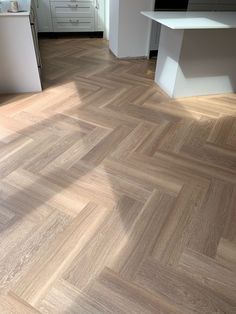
115,198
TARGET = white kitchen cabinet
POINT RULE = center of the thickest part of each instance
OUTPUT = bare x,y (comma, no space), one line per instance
71,15
44,17
19,55
65,24
99,15
74,9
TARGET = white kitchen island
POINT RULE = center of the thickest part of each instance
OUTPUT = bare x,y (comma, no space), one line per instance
197,52
19,56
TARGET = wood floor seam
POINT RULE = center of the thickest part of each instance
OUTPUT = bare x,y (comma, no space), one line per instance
115,198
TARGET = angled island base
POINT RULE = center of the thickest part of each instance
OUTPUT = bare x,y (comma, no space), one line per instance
197,53
196,62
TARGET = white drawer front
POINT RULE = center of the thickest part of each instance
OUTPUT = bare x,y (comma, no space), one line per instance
72,1
72,9
73,24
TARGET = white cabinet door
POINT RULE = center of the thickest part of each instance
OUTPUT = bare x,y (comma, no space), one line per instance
99,15
65,24
74,9
44,15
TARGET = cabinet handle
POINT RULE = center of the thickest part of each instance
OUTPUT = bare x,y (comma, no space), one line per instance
97,5
37,4
74,21
73,6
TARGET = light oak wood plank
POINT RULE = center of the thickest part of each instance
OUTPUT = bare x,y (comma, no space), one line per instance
115,198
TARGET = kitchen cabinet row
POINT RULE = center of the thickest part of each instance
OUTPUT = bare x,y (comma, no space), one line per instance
70,15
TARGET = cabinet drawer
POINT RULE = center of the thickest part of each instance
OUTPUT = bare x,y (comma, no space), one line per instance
72,9
73,24
73,1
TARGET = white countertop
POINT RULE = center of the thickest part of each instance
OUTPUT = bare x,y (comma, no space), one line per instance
194,20
26,13
24,5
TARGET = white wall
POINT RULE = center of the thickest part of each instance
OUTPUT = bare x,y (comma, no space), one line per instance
129,30
134,28
114,25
